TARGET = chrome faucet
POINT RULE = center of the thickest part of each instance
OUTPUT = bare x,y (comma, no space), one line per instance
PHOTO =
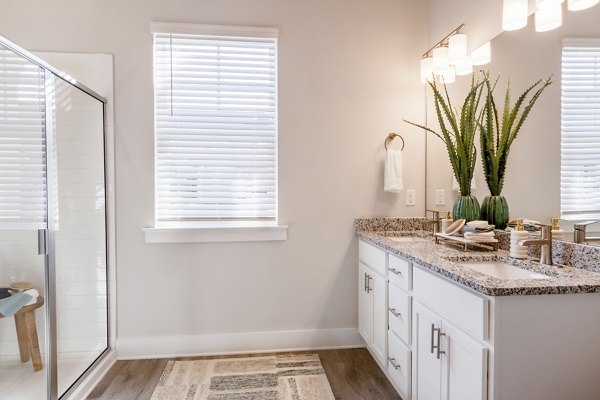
579,232
545,242
435,221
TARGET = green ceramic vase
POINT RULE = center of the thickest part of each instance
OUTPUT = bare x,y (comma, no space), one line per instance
466,207
495,211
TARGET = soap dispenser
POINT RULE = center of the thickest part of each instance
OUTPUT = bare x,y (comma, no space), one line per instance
557,233
519,233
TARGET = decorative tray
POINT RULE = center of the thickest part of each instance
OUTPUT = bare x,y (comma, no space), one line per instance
490,244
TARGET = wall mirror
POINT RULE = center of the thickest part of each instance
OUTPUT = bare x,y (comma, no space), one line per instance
533,180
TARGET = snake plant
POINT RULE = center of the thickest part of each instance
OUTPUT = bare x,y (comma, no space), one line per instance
497,133
458,128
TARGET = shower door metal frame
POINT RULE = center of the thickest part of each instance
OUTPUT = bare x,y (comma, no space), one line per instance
49,247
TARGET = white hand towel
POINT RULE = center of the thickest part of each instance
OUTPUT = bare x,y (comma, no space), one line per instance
34,295
480,236
455,186
392,179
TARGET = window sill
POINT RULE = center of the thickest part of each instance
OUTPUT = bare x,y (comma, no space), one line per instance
215,234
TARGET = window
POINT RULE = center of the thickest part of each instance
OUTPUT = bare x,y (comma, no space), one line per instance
22,143
580,127
215,105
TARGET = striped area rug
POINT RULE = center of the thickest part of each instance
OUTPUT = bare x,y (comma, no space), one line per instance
278,377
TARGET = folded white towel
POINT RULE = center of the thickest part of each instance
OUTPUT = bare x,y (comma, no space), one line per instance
34,295
392,179
455,186
479,236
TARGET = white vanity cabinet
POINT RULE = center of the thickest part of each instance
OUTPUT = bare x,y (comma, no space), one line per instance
372,324
385,313
436,339
450,357
429,339
448,364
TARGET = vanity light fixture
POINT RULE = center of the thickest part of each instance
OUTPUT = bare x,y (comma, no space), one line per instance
548,18
426,69
514,14
482,55
441,64
577,5
446,58
457,47
464,66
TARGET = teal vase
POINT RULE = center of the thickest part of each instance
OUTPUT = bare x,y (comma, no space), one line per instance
466,207
495,211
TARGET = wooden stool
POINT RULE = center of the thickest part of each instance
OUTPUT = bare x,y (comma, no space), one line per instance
27,334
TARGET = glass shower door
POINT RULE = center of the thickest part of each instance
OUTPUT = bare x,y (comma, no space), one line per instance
78,223
23,211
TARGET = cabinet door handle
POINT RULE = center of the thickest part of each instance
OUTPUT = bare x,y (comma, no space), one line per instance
365,283
395,271
432,338
439,352
369,288
393,311
393,362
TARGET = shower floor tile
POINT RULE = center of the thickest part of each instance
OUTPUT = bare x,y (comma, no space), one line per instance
18,381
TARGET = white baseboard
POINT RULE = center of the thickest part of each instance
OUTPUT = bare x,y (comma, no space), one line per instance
237,343
89,383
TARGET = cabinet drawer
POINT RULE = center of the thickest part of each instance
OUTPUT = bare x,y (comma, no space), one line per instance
400,314
399,365
400,272
461,307
372,257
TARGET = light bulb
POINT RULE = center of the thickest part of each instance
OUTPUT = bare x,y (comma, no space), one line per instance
426,69
464,66
547,19
577,5
449,76
514,14
440,60
457,47
482,55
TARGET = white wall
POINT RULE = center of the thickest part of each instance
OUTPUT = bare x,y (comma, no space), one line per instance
348,75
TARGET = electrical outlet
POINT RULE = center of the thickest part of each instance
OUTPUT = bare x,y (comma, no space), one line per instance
440,197
411,197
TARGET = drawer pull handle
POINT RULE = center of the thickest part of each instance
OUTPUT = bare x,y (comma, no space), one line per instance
395,271
439,345
393,362
432,338
393,311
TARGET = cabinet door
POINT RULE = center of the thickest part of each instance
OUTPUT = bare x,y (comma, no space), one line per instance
379,296
365,306
427,368
464,367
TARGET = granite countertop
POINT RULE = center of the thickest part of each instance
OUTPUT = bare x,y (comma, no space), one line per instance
444,259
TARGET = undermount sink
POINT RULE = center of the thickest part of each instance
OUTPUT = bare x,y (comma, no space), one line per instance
502,270
406,239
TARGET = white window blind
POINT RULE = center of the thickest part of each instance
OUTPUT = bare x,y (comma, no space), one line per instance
580,126
216,128
22,143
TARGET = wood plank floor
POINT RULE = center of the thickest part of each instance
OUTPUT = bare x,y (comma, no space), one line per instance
352,373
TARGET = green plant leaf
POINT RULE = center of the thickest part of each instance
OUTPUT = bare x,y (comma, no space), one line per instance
497,137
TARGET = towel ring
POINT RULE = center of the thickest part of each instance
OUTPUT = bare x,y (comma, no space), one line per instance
391,137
